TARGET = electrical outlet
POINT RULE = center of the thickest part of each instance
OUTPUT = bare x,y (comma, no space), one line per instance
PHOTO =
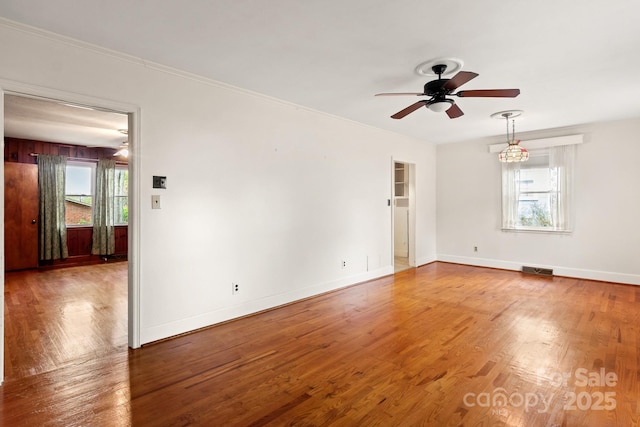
475,249
155,202
235,288
344,264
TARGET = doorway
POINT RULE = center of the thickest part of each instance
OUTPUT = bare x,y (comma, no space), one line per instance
131,115
403,216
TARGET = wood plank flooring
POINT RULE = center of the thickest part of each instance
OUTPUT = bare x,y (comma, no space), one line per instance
440,345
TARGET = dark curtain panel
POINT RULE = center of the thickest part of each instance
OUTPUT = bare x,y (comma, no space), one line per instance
51,186
103,209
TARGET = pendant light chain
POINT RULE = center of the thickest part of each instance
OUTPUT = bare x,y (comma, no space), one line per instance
506,119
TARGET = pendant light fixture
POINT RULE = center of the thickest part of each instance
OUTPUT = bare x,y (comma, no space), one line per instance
514,152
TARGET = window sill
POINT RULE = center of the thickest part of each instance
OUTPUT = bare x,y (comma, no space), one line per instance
91,225
536,230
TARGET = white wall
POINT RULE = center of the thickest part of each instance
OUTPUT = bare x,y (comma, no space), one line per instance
259,192
606,237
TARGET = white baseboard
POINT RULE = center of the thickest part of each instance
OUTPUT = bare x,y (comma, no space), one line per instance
155,333
605,276
424,261
181,326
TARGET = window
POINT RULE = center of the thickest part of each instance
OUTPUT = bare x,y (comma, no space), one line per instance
79,194
79,188
121,196
536,195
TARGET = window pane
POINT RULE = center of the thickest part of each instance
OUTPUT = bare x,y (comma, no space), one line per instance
534,210
121,210
534,207
78,180
79,194
121,182
121,199
538,179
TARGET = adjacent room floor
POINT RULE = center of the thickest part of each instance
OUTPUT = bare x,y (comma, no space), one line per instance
400,264
439,345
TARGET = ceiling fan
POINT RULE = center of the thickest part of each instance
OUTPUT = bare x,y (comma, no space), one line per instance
439,90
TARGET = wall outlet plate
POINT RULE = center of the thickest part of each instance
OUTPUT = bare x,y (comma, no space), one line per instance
155,202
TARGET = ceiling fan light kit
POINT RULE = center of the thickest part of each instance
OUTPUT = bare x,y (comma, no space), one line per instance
441,89
440,106
123,150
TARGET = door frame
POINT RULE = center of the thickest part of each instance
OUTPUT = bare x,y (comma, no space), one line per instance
411,244
8,87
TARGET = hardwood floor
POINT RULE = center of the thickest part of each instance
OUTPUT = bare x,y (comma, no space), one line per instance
62,316
440,345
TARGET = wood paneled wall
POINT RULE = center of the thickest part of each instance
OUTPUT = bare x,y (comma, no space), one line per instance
79,240
20,150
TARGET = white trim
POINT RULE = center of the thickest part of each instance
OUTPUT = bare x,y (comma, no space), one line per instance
533,144
2,236
134,246
540,230
23,89
577,273
426,260
411,226
174,328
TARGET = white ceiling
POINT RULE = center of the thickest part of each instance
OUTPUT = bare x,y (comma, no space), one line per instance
47,120
574,61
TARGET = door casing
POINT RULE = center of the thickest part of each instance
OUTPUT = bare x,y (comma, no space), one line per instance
411,223
134,113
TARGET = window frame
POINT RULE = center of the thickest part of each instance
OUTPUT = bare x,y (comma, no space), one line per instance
511,219
125,196
93,167
92,184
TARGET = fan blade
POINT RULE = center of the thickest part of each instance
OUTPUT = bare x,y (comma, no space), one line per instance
410,109
400,94
459,79
489,93
454,112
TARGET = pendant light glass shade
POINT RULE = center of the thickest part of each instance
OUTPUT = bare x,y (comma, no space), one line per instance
513,153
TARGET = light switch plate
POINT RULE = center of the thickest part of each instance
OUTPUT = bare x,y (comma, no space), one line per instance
159,182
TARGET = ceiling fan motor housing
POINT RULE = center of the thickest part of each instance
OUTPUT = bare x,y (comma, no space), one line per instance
435,87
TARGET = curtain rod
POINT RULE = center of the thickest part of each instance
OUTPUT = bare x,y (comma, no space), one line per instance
82,159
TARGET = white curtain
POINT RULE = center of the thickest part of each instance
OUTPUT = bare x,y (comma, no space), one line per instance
510,194
103,209
51,188
561,160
